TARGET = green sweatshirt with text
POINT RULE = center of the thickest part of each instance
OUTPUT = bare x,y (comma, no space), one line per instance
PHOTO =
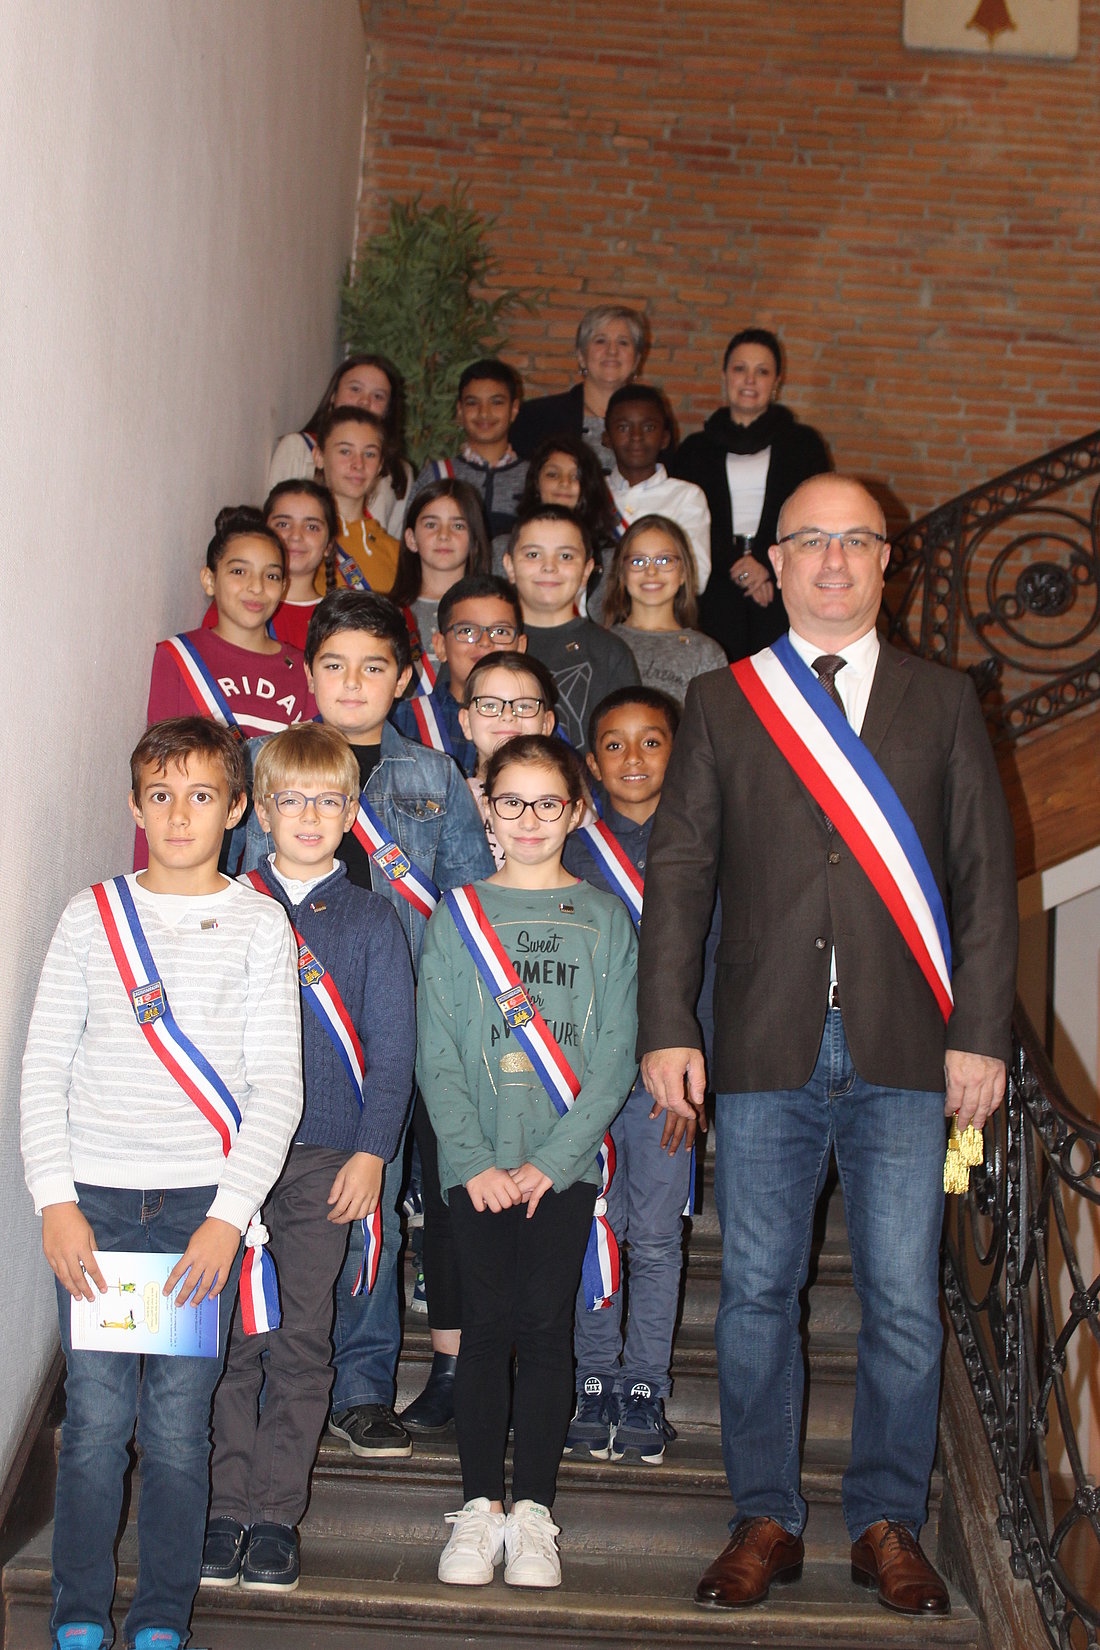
575,952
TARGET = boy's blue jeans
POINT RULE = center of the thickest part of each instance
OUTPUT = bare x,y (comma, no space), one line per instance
170,1400
772,1154
645,1205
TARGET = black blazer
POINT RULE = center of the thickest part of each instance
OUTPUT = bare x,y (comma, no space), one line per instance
797,453
732,815
548,415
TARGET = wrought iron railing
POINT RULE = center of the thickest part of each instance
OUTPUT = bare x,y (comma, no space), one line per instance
1005,583
1018,1254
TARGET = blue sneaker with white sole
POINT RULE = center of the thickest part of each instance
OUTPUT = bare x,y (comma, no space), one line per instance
641,1430
593,1425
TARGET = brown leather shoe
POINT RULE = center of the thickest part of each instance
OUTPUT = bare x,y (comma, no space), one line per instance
888,1556
759,1552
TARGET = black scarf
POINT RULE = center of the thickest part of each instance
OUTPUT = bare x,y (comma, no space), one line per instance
772,425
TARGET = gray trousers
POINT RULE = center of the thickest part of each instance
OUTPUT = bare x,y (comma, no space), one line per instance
264,1454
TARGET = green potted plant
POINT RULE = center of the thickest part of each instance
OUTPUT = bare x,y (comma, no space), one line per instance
419,293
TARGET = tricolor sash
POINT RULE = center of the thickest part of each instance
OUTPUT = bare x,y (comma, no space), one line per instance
394,863
430,727
320,991
600,1271
847,783
349,569
200,681
193,1072
422,665
628,883
625,878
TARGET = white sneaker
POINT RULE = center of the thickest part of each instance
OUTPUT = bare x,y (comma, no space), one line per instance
476,1546
530,1550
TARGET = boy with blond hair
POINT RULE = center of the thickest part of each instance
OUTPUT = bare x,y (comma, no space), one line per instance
358,1065
126,1149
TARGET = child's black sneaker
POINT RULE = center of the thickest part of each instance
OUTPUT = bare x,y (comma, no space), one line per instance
593,1425
271,1562
372,1431
222,1552
641,1429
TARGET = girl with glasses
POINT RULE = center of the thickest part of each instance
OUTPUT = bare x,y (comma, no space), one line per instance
507,694
520,1172
651,602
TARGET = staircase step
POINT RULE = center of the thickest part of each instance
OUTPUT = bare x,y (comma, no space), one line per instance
388,1590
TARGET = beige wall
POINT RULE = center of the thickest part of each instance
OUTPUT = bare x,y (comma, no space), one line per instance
178,187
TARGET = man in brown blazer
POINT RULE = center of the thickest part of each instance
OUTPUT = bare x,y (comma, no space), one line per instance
828,1037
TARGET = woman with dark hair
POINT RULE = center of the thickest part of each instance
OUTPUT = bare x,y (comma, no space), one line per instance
611,345
748,458
373,383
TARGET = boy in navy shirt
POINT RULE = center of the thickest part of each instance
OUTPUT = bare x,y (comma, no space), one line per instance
621,1385
352,957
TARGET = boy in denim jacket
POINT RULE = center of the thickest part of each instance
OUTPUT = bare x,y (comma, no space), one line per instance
425,831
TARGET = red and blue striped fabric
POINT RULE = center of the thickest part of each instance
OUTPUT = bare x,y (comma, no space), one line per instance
200,681
320,991
192,1071
412,883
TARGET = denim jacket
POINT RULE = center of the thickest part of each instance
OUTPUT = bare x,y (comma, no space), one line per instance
427,807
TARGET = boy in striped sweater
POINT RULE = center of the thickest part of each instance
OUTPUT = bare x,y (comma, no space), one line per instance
162,1082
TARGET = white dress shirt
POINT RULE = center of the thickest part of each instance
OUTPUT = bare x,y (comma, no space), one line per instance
747,479
662,495
854,684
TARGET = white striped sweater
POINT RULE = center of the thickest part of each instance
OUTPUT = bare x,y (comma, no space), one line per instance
98,1106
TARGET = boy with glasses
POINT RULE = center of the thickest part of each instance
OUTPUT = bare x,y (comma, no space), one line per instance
478,615
548,559
358,1069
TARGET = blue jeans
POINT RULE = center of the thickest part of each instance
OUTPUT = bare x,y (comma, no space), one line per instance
772,1153
170,1400
366,1338
645,1205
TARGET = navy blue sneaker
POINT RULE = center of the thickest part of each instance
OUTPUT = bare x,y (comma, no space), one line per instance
593,1425
271,1562
222,1552
641,1429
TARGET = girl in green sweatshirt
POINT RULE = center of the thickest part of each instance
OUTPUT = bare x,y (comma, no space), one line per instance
521,1181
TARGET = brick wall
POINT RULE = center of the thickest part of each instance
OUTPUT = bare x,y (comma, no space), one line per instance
922,230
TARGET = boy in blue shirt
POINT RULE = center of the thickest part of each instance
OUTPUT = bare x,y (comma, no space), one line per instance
357,1093
162,1082
622,1384
425,830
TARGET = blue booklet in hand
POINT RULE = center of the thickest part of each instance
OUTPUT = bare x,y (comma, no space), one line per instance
134,1314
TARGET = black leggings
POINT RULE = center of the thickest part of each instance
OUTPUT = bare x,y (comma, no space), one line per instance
437,1255
519,1283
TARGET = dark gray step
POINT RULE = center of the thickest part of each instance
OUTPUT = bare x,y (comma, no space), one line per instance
386,1594
682,1505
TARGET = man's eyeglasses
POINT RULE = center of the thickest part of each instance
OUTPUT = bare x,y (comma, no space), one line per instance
329,804
546,808
858,541
487,704
501,635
